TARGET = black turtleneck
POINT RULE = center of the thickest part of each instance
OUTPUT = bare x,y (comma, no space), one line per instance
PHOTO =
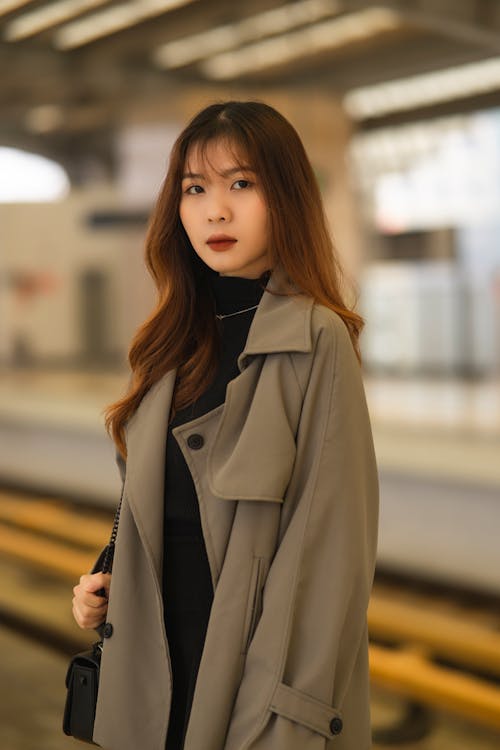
187,583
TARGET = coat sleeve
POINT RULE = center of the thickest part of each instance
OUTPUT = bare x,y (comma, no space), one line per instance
325,559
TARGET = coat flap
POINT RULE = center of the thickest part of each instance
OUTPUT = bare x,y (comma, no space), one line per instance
237,465
249,440
253,451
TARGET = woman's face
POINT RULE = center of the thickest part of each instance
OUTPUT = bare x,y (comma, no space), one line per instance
223,212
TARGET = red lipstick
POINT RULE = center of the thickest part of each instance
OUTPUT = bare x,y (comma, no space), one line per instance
220,241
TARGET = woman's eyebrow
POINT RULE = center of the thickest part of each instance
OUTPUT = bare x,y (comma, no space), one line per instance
234,170
225,173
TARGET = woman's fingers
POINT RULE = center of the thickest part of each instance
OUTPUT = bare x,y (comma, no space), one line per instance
89,609
94,581
88,618
90,600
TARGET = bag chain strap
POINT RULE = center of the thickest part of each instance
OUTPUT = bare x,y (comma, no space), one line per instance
110,548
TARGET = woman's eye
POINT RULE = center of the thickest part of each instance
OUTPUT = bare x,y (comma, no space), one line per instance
194,190
240,184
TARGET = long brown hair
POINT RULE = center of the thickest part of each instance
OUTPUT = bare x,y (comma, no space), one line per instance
181,331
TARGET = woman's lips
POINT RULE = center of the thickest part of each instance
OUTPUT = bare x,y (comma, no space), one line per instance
220,242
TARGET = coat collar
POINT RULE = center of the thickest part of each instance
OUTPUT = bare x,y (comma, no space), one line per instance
280,323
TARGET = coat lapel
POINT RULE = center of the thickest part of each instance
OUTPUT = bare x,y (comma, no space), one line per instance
144,480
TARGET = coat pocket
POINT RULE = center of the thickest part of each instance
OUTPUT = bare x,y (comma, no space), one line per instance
254,600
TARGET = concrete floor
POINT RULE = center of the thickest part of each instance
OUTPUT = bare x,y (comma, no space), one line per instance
33,695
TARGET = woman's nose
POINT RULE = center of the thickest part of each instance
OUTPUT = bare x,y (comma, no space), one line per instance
218,210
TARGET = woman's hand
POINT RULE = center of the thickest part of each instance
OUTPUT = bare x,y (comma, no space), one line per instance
89,609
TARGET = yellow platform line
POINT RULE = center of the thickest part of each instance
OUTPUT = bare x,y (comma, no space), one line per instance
52,557
410,674
52,518
445,635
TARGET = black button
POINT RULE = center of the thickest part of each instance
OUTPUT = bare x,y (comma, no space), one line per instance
336,725
195,441
108,630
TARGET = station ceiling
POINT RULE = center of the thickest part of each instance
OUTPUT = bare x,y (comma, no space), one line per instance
70,68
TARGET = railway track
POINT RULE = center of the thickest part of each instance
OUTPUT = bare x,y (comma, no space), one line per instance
437,650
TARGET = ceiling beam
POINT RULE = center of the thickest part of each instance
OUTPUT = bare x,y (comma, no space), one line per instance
475,22
445,109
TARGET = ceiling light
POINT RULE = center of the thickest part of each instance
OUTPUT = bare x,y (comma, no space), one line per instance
111,20
7,6
49,15
327,35
222,38
423,90
30,178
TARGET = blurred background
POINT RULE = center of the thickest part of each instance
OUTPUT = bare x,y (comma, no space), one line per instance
398,104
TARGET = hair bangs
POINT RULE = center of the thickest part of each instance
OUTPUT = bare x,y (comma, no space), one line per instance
201,147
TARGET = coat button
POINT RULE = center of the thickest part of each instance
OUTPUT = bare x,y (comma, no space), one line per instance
108,630
336,725
195,441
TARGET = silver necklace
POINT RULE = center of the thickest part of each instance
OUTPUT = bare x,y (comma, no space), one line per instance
228,315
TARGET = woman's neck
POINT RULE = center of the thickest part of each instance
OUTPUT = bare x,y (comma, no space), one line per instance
233,293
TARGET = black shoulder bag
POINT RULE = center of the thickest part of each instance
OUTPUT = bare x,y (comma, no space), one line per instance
82,678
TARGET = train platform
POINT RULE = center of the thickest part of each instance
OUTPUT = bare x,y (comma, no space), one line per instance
33,674
441,428
437,443
410,416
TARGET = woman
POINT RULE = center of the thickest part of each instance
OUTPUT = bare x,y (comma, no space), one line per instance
236,608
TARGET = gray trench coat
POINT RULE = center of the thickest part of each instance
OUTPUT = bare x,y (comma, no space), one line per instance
287,484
